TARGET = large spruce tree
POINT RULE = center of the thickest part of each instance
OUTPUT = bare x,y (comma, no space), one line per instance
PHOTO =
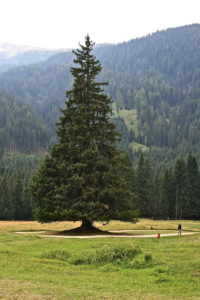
84,176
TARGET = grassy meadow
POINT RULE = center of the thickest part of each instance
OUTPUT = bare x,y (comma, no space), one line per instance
35,267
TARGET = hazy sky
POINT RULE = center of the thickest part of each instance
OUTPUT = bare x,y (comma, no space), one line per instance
64,23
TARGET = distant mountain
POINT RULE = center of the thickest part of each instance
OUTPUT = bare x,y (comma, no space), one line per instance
13,55
154,82
8,50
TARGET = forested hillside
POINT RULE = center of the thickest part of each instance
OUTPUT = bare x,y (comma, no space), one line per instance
24,139
21,130
154,82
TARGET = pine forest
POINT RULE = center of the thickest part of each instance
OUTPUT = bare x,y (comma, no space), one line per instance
153,97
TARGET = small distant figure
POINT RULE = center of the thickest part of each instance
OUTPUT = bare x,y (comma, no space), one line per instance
179,229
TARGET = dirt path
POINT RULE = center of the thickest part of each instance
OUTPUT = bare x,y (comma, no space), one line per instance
106,235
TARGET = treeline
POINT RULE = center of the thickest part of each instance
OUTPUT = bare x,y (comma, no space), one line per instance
15,172
14,198
174,193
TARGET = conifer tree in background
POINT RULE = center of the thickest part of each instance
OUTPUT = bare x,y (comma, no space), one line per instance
144,187
181,186
193,204
5,212
16,198
169,194
84,177
157,200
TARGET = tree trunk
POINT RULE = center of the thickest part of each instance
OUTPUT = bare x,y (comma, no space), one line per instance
86,225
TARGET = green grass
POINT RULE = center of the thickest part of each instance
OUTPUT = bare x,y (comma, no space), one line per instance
130,119
136,146
33,267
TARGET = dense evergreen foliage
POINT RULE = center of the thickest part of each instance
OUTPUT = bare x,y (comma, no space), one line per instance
175,194
15,172
85,176
14,199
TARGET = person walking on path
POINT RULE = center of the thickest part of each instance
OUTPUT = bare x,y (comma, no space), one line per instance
179,229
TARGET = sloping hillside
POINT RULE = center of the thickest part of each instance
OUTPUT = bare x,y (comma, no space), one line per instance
154,82
21,130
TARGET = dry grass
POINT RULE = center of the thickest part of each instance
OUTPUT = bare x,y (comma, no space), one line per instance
148,224
20,290
34,225
142,224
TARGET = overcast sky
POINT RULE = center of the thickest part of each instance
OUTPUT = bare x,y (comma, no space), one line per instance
64,23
